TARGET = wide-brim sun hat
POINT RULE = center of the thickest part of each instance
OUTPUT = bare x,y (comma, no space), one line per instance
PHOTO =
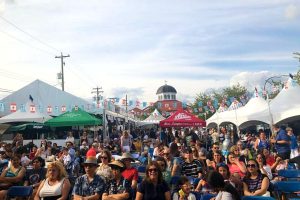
91,160
117,164
126,156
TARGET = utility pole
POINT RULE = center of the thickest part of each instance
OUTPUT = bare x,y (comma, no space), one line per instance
62,69
97,90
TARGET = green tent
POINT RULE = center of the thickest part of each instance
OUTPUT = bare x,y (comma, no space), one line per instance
30,126
77,117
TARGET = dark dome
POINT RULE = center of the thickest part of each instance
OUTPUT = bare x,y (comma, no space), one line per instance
166,89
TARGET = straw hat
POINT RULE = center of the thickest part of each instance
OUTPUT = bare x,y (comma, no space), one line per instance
91,160
128,156
117,164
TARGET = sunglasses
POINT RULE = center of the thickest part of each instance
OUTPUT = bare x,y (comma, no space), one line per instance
251,165
152,170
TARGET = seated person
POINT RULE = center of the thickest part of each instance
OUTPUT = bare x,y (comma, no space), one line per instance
36,175
11,175
255,183
185,190
118,188
90,185
56,185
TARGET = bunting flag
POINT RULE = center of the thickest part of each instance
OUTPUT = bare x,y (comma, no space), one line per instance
144,104
200,104
205,108
195,110
40,107
137,103
208,103
13,107
184,105
200,109
2,107
56,109
63,109
22,108
32,108
49,109
130,103
151,104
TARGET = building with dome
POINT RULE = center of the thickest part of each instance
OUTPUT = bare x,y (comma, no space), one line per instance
166,100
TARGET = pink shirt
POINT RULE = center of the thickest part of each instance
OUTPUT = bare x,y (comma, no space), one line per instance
233,168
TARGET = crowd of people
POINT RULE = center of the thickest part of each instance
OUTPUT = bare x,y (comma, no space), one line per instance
223,163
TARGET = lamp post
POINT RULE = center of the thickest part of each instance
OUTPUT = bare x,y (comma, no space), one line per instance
268,100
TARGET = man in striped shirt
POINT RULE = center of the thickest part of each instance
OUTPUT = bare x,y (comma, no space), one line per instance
191,167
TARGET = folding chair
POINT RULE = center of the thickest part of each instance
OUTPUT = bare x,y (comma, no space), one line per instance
141,169
207,196
287,188
19,191
290,174
257,198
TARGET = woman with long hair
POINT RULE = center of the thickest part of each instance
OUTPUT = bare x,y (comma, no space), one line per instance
153,187
104,170
263,166
255,183
217,159
56,185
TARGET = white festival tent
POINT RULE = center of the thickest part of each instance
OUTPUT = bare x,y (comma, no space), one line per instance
28,114
154,118
286,105
242,115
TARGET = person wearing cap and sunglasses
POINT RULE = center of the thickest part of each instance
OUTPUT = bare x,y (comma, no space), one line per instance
90,185
153,187
118,188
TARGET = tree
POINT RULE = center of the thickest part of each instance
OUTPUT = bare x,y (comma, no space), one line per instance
206,104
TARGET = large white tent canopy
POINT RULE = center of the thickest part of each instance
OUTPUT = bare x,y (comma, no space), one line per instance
283,108
154,118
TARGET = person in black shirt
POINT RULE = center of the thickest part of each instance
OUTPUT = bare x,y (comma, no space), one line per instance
153,187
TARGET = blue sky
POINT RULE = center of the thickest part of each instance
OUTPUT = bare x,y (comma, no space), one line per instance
133,46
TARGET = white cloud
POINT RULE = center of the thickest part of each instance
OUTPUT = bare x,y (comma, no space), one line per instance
292,12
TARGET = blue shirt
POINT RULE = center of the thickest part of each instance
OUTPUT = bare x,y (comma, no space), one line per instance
282,135
83,188
294,144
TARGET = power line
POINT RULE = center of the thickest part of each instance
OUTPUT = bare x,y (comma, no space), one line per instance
21,41
31,36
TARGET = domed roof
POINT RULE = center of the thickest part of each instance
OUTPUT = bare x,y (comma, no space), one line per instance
166,89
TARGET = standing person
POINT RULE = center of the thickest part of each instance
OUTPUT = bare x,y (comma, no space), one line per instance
282,142
90,185
153,187
56,185
70,138
126,142
294,144
262,142
84,138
